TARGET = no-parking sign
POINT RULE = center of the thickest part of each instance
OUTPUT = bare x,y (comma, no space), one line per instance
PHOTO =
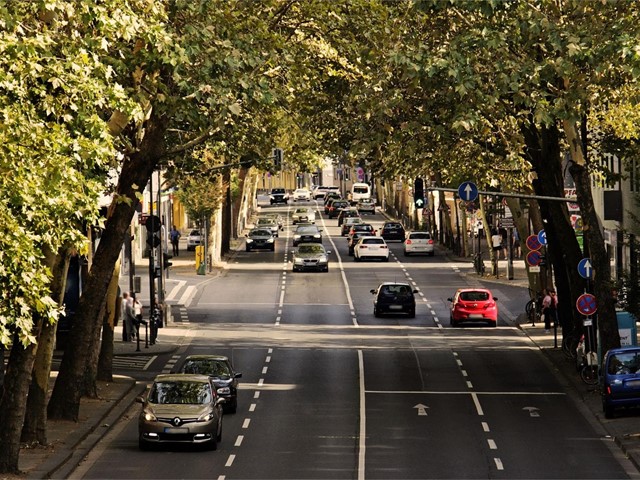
586,304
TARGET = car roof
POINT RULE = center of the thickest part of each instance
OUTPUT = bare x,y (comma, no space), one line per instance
394,283
461,290
181,377
627,349
207,357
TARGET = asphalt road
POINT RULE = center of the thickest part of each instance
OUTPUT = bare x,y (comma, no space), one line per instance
330,391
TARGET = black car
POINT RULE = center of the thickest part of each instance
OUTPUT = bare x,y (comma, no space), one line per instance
391,297
278,195
356,233
393,231
336,207
260,238
307,234
221,372
347,213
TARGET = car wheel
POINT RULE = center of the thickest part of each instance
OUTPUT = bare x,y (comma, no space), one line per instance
431,254
406,254
385,259
326,269
273,248
412,313
376,313
219,435
248,249
452,322
144,446
607,410
356,258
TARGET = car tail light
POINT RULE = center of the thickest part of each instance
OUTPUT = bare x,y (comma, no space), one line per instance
383,246
408,242
363,246
430,242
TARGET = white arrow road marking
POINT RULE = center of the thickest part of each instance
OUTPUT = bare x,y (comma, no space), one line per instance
533,411
422,409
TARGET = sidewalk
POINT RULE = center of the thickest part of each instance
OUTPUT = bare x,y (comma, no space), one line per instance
69,442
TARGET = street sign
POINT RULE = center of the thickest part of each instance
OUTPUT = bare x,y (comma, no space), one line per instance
468,191
586,304
533,243
534,258
542,237
419,203
585,269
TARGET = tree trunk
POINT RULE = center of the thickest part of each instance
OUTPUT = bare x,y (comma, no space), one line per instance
135,174
12,404
105,361
34,429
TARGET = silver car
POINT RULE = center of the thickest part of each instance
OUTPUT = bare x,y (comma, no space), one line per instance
311,256
268,222
418,242
303,215
180,408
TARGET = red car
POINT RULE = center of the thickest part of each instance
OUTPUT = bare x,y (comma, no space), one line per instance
473,305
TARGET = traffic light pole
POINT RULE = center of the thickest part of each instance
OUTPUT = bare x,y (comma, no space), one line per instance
152,280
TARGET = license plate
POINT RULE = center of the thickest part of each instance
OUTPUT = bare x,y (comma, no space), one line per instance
395,307
475,315
176,430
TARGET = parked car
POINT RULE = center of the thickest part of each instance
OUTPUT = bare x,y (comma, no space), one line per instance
418,242
194,239
347,213
278,195
336,207
620,379
260,239
180,408
268,222
371,247
348,223
393,231
220,370
392,297
366,205
303,215
307,234
473,305
301,195
311,256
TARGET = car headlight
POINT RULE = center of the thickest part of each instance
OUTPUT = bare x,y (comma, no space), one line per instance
249,240
223,391
271,240
298,261
296,237
205,417
149,416
317,235
323,259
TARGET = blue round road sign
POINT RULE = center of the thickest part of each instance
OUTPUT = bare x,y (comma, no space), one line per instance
542,237
586,304
468,191
585,268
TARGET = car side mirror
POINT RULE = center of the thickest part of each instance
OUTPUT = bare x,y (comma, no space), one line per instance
415,290
372,291
238,375
495,299
328,252
140,399
449,299
221,400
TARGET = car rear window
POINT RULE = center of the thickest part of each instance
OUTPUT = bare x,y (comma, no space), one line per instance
392,226
474,296
395,290
373,241
623,364
420,236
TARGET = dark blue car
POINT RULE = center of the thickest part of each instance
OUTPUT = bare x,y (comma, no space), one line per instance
620,379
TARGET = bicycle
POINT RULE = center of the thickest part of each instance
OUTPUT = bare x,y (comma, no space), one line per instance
570,344
533,310
587,363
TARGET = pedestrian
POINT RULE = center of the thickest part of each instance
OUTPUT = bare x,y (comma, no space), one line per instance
137,313
517,250
505,242
496,243
554,308
174,234
124,317
131,318
546,310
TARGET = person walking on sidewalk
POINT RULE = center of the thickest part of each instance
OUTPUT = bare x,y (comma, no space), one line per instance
546,310
174,234
496,243
127,326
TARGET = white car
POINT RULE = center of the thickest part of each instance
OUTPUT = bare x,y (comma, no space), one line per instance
418,242
301,195
193,240
371,247
303,215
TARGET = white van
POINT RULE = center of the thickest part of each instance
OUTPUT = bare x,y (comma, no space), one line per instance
359,191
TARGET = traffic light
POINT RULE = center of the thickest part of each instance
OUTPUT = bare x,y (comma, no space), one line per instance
277,158
153,231
418,193
165,260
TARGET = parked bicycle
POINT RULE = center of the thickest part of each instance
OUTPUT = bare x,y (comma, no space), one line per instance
587,363
570,343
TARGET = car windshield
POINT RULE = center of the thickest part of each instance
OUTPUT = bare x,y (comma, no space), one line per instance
624,363
366,200
194,233
265,221
260,233
395,290
310,249
474,296
206,366
184,392
360,189
301,210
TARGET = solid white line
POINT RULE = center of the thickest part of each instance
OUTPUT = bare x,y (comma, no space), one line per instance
174,291
246,423
363,420
450,392
492,444
239,441
185,299
230,460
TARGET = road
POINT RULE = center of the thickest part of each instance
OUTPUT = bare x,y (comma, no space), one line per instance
330,391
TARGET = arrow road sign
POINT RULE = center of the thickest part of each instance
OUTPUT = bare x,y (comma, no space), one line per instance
586,304
468,191
542,237
585,269
419,203
422,410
